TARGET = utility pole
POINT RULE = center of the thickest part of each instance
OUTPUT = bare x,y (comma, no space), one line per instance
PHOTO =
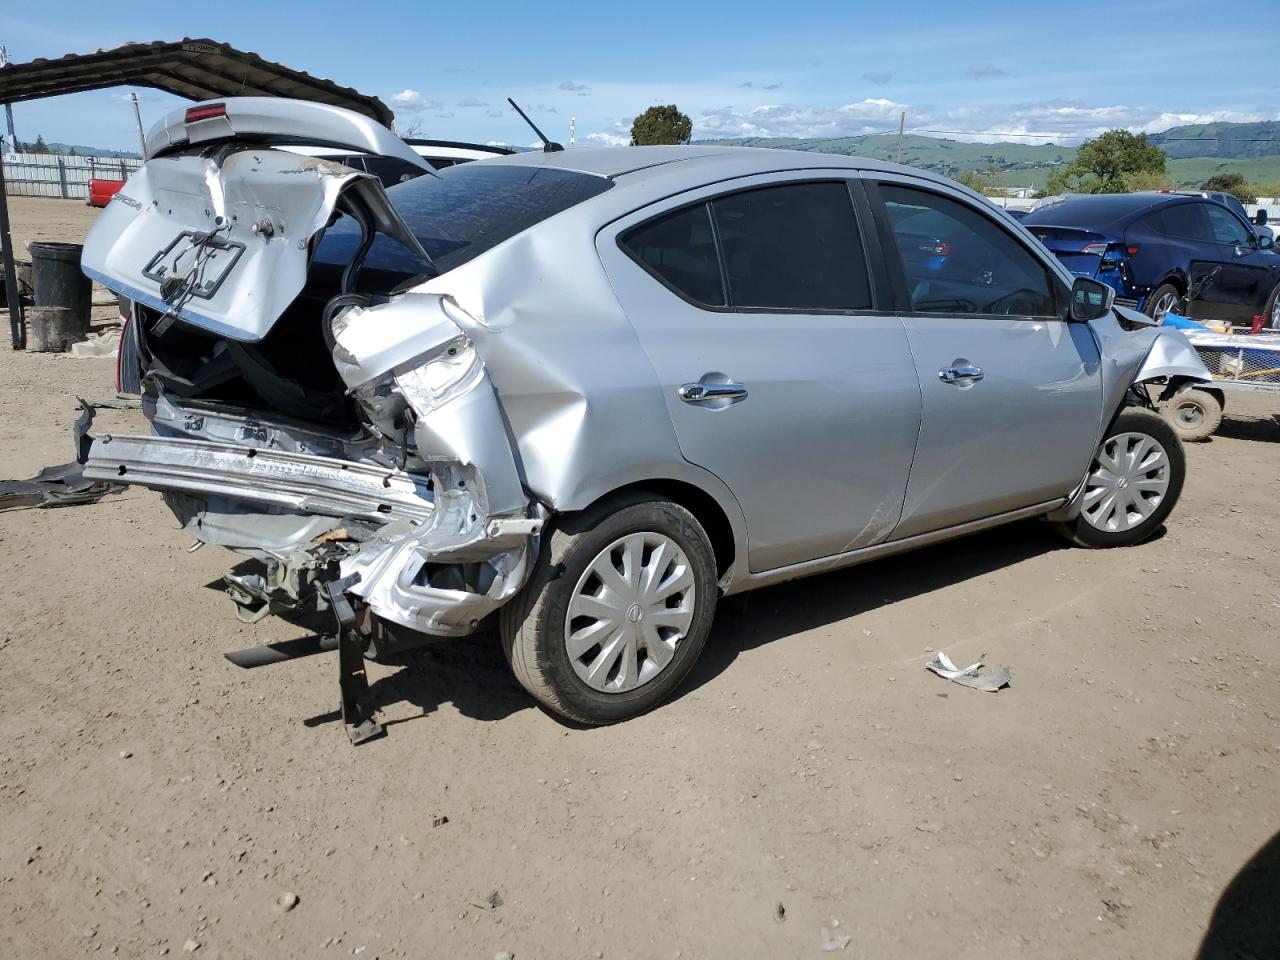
13,300
142,137
902,123
8,109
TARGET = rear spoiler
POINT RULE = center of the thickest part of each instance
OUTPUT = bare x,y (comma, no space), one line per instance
277,120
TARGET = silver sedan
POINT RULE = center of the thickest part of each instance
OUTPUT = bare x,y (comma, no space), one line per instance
594,391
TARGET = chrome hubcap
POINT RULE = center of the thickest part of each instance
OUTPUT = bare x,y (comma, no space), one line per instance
631,608
1129,480
1164,305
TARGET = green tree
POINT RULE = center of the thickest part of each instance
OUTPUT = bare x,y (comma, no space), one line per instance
973,180
659,125
1147,181
1232,183
1101,165
40,145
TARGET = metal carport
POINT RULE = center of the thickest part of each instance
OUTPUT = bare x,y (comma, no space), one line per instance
198,69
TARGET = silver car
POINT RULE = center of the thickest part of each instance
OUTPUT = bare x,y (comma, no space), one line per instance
594,391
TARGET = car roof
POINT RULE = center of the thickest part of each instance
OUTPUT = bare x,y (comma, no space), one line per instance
1101,209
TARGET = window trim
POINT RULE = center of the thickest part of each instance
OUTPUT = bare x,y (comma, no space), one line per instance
892,256
877,308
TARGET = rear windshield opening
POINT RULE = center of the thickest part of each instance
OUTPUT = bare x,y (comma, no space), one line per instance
456,216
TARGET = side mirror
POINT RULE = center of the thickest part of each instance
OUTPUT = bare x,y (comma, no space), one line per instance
1090,300
1260,218
1265,242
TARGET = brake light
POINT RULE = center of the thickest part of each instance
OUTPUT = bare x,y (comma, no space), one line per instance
1131,251
206,111
941,248
1097,249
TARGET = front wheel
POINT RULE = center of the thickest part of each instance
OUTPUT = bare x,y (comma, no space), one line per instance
616,612
1134,481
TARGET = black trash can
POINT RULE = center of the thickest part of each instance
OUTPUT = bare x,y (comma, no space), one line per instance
59,282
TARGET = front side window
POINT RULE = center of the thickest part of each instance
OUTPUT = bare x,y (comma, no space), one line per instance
957,260
1225,227
791,247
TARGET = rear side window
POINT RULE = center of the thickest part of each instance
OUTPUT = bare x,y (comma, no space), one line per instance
957,260
1186,220
791,247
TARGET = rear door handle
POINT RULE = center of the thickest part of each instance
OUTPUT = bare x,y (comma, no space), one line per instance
960,374
701,392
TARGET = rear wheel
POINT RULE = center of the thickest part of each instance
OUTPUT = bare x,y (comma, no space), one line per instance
1195,414
1163,299
616,612
1134,481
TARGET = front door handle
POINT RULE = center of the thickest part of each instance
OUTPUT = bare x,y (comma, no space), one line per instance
965,374
701,392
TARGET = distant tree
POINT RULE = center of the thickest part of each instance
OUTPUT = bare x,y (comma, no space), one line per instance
974,181
1232,183
40,146
1101,165
659,125
1147,181
72,152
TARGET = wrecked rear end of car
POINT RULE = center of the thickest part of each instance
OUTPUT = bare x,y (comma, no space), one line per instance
331,432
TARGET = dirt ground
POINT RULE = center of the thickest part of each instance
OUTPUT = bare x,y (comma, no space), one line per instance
153,796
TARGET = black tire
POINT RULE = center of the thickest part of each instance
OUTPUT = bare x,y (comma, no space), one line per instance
1133,420
1194,414
1160,293
1269,311
533,624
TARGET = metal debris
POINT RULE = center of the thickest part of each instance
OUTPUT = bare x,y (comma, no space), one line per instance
62,486
832,941
968,676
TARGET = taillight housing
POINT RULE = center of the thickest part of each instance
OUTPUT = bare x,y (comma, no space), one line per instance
1097,249
205,111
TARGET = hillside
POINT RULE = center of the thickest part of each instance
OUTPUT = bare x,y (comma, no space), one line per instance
1195,153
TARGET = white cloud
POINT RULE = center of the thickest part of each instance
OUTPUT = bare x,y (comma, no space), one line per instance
411,101
1032,123
601,139
581,89
472,102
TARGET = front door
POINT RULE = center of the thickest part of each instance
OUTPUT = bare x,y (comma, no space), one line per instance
756,311
1011,393
1242,275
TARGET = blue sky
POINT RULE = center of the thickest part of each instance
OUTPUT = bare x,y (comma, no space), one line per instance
980,70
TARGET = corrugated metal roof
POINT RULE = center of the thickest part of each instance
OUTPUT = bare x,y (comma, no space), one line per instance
199,69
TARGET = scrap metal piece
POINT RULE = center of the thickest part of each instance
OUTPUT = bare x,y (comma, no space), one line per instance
301,482
62,486
353,683
968,676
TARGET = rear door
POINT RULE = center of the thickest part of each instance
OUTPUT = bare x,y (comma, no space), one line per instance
781,373
1011,393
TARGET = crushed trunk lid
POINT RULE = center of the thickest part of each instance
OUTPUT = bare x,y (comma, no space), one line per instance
222,240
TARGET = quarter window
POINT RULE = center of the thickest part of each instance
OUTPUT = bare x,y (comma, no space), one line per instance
958,261
791,247
680,250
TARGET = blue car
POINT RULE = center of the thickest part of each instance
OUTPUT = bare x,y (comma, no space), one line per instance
1161,251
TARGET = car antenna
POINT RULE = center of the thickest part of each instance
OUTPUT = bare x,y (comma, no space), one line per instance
548,146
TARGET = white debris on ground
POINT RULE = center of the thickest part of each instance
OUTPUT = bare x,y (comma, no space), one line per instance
968,676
